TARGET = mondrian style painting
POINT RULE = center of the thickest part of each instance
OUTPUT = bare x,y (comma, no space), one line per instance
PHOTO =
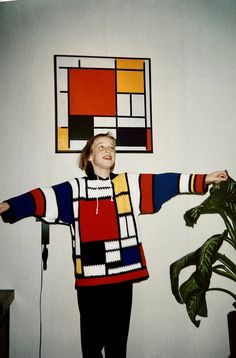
103,94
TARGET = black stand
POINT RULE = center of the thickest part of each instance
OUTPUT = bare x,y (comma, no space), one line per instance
44,242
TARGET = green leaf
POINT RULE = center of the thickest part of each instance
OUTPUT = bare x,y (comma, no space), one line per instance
222,200
207,256
194,299
191,216
177,267
192,292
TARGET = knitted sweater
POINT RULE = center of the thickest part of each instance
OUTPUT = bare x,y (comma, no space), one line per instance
102,216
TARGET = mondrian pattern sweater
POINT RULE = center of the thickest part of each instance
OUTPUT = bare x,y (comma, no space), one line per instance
102,216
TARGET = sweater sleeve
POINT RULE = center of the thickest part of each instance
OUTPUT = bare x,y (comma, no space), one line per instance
156,189
54,204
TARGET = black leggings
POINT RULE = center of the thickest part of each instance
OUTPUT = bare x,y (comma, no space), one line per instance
104,319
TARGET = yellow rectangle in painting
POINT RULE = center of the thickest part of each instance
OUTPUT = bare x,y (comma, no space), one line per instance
130,81
130,64
62,138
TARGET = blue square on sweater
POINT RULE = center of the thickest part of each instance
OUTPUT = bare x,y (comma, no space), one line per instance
130,255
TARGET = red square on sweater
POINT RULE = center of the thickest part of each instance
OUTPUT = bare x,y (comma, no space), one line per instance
98,226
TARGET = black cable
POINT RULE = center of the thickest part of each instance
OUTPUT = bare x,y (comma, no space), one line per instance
44,257
40,307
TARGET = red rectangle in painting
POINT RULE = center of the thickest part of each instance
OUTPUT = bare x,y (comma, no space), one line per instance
149,140
92,92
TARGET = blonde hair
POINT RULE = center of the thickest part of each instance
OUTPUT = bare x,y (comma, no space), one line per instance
84,161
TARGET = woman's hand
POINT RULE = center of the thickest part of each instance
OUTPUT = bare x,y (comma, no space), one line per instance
4,207
216,177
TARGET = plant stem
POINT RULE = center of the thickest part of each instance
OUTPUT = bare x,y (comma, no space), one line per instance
223,290
227,262
229,227
231,242
225,273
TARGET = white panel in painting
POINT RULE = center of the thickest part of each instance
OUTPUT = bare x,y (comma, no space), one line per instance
123,104
148,94
62,82
67,61
87,62
138,108
77,144
104,122
62,110
131,122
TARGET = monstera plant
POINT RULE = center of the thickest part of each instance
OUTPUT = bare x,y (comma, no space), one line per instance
208,259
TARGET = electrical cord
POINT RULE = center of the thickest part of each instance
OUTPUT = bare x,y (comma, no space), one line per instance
44,257
40,306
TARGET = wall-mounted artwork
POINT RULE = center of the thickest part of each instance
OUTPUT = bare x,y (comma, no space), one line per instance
100,94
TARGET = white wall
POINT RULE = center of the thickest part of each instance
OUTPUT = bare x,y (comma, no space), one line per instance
192,48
